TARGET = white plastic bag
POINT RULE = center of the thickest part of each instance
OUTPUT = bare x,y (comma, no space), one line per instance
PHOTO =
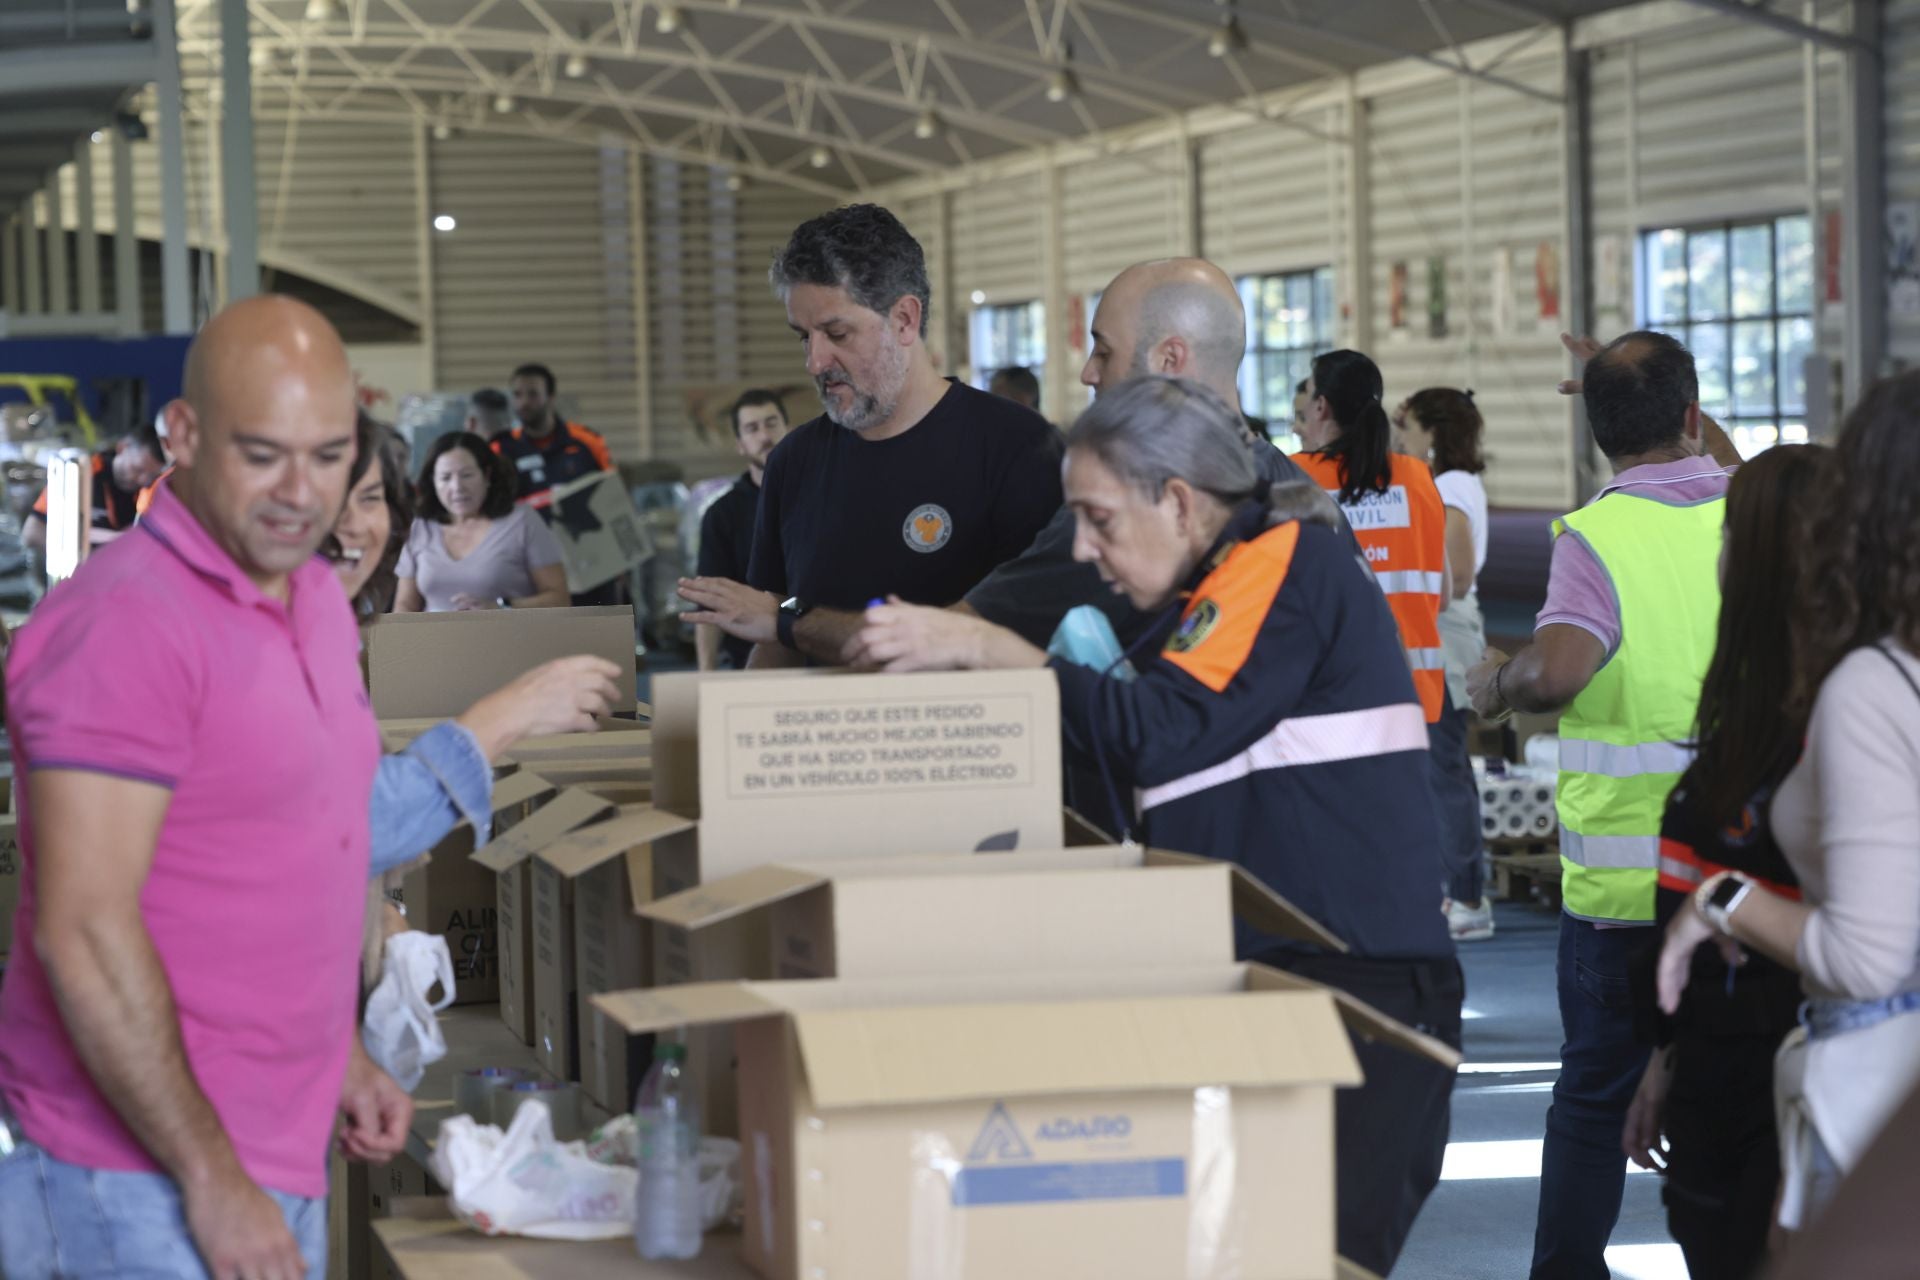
400,1031
618,1142
524,1183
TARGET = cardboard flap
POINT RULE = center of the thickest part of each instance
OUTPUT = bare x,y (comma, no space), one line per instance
630,827
630,743
732,896
518,788
1361,1018
694,1004
1256,904
874,1057
546,824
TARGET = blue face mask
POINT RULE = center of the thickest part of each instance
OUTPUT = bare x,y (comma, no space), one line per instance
1087,639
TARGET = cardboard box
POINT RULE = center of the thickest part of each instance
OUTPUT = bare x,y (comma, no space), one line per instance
427,665
599,876
450,894
508,861
1092,1124
1102,908
601,536
815,765
10,871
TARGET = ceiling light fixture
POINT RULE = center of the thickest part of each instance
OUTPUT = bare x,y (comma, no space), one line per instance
445,222
1227,38
577,67
504,103
443,133
96,136
979,298
323,10
927,126
1063,85
736,182
668,20
820,158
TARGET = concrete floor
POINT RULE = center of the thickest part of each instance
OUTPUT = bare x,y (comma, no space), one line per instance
1478,1224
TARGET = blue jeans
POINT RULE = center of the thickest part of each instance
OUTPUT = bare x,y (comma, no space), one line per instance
61,1220
1456,803
1583,1171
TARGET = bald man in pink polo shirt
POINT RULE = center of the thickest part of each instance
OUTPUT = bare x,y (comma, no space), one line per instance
178,1042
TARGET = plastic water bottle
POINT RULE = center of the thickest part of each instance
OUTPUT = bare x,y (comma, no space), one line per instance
667,1212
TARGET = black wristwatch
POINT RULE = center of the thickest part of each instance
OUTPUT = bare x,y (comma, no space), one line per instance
792,609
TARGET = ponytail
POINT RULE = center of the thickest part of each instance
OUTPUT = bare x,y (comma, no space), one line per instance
1353,388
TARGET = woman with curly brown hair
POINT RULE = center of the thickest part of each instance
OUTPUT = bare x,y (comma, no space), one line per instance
1847,816
373,524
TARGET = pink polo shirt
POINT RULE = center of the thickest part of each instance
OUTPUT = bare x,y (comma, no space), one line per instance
160,661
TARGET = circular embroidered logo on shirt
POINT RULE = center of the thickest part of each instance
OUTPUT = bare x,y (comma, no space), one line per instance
928,528
1195,627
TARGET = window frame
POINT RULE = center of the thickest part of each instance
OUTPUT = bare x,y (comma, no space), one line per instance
1036,339
1321,334
1751,431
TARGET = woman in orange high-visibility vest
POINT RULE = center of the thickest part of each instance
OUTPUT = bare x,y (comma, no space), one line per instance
1391,502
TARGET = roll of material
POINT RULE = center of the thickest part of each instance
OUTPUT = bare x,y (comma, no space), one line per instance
1489,823
1545,822
1543,752
1513,822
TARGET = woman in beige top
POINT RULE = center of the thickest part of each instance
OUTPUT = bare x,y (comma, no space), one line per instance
1847,817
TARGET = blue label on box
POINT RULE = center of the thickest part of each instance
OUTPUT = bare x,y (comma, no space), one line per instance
976,1185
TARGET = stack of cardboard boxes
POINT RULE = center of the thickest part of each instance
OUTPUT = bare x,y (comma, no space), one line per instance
957,1032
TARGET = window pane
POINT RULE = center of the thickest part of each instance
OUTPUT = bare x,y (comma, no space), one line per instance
1666,276
1277,403
1324,309
1793,433
1753,271
1711,357
1300,310
1250,303
1273,312
1796,344
1794,247
1707,275
1753,367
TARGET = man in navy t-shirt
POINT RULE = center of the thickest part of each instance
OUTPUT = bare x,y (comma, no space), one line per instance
910,485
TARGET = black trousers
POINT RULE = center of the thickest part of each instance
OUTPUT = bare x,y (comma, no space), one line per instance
1390,1134
1723,1162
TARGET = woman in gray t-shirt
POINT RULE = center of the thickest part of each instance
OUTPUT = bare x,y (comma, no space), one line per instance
471,547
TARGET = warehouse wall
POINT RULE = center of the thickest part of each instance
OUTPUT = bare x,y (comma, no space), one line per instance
1901,45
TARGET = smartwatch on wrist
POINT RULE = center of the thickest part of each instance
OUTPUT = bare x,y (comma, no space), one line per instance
792,609
1716,902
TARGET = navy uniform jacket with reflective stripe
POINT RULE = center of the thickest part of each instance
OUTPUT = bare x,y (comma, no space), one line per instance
1278,728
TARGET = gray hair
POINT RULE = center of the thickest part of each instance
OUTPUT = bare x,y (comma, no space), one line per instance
1148,431
861,248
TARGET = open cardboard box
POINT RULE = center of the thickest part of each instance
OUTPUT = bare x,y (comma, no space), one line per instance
426,665
507,862
1100,907
1128,1124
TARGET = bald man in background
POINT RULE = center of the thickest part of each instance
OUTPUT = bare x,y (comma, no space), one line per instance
178,1042
1179,317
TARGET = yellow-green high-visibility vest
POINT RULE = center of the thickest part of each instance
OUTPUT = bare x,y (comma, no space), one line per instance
1624,741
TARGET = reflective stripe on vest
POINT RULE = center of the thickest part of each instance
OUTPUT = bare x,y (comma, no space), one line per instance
1427,659
1621,738
1304,740
1409,581
1579,755
1682,875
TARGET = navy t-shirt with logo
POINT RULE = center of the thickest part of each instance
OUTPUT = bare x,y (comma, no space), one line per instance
924,515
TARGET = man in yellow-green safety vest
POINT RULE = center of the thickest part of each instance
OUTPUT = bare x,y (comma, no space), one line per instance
1620,649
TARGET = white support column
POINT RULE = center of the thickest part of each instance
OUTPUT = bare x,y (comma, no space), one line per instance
33,298
1190,219
10,265
238,202
423,245
126,248
176,287
213,222
940,330
59,278
1053,257
1359,272
637,209
86,243
1863,205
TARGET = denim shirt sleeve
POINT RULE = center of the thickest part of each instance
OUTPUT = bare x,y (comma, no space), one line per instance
441,780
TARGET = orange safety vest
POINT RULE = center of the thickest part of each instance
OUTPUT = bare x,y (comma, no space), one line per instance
1404,534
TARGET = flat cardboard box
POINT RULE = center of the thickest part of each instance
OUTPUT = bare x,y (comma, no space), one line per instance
10,871
428,665
1111,907
508,860
1091,1124
600,534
